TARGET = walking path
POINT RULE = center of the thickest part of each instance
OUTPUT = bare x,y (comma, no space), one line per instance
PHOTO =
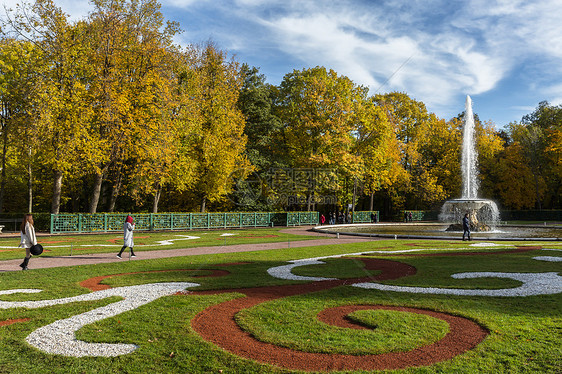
99,258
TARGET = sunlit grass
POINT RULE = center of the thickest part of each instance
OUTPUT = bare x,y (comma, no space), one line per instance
525,332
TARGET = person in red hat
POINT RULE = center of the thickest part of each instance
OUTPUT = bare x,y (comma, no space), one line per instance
128,236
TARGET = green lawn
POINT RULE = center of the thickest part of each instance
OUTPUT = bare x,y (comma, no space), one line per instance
525,333
65,245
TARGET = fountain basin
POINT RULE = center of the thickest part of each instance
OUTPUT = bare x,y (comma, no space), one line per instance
483,214
438,231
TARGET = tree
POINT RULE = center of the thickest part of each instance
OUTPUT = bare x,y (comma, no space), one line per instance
379,150
216,123
59,106
130,86
17,80
319,113
263,148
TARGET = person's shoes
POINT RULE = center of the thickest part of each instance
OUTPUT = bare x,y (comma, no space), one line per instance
119,256
133,255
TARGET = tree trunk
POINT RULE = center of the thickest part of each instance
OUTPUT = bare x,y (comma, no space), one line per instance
29,184
57,187
372,201
115,190
538,202
203,203
4,153
96,192
354,196
156,198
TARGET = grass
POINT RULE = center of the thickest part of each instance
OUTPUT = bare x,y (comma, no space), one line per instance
525,332
80,244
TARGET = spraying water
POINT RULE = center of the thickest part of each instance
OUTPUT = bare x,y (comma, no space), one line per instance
483,213
469,155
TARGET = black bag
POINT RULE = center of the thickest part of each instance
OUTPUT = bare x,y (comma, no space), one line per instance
36,250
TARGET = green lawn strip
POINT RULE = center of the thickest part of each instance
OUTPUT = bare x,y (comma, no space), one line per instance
291,322
436,271
522,335
65,245
524,331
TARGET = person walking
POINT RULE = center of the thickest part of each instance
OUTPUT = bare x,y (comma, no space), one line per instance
28,238
128,228
465,227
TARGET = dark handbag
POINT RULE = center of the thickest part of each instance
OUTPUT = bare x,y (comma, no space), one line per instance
36,250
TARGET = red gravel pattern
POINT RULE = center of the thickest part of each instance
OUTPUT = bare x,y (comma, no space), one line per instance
217,325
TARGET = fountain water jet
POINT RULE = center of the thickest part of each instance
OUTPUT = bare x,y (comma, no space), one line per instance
483,213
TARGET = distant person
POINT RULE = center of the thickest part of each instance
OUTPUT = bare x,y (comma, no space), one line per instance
128,228
405,216
28,238
465,227
373,218
410,216
322,219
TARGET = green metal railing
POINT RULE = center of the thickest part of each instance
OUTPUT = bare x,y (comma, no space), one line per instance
365,216
417,215
108,222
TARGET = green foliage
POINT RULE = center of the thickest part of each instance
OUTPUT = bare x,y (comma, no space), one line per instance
107,113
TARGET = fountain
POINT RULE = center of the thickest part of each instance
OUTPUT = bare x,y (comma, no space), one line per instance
483,213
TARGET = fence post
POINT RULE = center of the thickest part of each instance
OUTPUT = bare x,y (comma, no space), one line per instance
80,222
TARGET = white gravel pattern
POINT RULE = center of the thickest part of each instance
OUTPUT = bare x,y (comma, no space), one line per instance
533,284
59,336
548,258
285,271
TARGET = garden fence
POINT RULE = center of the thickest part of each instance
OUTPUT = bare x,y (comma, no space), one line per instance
108,222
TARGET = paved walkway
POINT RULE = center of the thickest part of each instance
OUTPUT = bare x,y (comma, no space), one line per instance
44,261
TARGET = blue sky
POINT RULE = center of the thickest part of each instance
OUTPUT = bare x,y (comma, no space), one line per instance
507,54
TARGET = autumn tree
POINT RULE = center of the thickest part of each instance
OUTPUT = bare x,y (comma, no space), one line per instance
60,106
18,77
319,113
216,123
130,89
379,151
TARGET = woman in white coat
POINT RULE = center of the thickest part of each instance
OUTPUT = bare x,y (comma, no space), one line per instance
128,236
28,238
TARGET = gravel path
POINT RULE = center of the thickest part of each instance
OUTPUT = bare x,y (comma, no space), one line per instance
45,261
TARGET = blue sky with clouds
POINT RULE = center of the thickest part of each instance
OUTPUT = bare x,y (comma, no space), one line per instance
505,54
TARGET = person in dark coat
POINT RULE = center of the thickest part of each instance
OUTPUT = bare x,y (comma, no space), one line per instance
465,227
28,238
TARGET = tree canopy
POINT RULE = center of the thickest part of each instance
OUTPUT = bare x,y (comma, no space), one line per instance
108,114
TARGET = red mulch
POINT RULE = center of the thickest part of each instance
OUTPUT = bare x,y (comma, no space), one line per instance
217,325
12,321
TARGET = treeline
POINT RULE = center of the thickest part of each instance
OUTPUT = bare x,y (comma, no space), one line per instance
108,114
